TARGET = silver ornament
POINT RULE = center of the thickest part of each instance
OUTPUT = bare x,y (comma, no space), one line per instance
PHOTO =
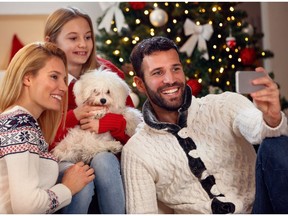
158,17
248,30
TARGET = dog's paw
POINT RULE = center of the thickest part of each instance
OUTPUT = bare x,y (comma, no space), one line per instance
116,147
99,113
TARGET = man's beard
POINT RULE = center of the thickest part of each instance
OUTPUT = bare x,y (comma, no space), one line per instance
170,105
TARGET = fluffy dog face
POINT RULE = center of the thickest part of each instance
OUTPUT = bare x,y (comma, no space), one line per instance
102,88
99,97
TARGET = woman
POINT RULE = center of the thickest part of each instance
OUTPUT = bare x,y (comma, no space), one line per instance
71,30
33,97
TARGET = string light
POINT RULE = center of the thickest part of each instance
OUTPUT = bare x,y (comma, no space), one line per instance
131,73
146,12
125,39
263,53
116,52
137,38
108,42
231,9
137,21
178,39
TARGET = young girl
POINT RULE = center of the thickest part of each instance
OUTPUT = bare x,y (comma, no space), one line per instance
72,31
33,97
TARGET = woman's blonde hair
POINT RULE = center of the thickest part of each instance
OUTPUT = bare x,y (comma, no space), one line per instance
30,59
58,19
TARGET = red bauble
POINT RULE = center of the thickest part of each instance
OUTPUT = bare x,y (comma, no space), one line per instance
195,86
137,5
248,56
231,42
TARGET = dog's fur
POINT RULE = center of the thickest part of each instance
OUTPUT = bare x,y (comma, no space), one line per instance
98,87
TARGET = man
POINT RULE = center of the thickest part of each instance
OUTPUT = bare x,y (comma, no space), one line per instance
194,155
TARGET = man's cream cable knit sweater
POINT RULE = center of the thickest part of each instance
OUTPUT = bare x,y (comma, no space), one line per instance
155,166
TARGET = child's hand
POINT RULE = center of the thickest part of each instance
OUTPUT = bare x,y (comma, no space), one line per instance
86,111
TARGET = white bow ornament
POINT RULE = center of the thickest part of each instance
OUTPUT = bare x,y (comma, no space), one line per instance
113,10
199,33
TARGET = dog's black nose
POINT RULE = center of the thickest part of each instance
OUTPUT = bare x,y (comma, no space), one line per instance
103,100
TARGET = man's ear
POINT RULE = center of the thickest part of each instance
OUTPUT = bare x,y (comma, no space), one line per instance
139,84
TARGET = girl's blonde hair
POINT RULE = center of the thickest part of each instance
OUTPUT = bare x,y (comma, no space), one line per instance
30,59
58,19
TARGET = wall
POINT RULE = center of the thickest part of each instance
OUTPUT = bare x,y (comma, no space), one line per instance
275,16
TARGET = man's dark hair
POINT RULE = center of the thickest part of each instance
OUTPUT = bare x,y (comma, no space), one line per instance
147,47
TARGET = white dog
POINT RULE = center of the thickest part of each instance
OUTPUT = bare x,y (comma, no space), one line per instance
105,88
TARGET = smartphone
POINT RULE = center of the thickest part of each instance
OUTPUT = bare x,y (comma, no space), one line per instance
243,81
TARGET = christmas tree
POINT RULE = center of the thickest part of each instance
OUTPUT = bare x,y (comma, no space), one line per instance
214,39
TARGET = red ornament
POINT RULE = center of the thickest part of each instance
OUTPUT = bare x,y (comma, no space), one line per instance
137,5
231,42
248,56
195,86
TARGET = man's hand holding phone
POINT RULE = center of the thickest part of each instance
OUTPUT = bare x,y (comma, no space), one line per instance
264,92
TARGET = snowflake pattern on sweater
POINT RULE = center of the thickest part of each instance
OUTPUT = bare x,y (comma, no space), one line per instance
19,133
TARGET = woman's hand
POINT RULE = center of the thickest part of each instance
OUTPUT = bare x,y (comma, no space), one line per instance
77,177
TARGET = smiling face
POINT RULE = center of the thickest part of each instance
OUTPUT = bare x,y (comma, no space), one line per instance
164,80
75,39
46,89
